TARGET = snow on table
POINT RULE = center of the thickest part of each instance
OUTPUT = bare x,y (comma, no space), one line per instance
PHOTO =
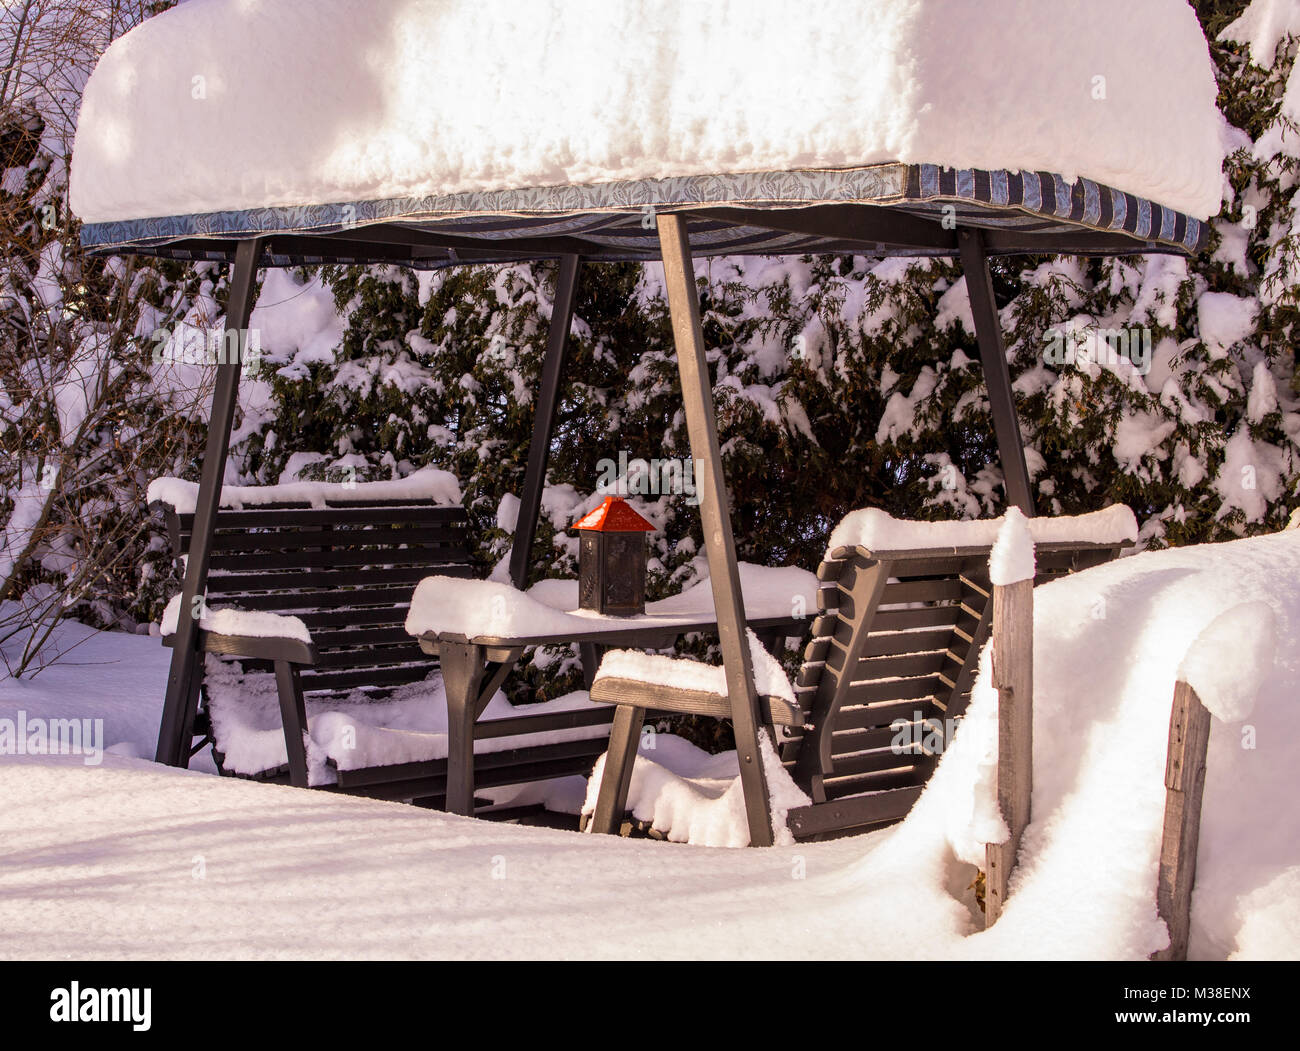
487,609
428,483
331,101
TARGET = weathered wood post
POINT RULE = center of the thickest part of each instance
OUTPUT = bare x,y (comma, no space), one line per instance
1189,741
1012,638
715,517
1221,675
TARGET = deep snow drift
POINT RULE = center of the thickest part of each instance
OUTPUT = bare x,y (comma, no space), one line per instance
115,859
1108,647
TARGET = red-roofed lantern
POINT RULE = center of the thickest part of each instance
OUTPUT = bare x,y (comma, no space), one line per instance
612,558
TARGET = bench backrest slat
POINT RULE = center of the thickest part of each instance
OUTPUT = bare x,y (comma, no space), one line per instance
346,570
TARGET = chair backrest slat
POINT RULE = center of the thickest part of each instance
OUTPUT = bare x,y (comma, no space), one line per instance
892,659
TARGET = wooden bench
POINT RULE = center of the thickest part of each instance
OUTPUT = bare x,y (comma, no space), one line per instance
347,571
893,653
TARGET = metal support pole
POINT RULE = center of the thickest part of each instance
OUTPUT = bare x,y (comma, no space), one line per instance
729,605
997,376
548,399
177,726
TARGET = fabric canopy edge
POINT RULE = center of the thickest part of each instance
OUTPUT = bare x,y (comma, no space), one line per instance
992,198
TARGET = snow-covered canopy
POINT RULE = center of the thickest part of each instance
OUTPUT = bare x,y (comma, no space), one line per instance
497,120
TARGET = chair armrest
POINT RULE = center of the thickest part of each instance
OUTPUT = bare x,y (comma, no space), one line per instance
657,697
235,632
681,684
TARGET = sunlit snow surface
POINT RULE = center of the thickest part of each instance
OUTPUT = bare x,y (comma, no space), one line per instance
130,859
331,101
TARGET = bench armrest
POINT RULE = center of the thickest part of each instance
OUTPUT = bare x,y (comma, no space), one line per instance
294,651
236,632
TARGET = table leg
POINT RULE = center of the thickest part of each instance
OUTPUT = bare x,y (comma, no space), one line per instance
591,653
463,669
616,779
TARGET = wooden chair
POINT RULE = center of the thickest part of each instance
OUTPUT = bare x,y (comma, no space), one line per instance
633,696
891,658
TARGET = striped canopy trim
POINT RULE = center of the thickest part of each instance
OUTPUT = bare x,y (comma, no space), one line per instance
618,216
1082,203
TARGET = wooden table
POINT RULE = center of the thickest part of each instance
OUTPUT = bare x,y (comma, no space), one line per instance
473,669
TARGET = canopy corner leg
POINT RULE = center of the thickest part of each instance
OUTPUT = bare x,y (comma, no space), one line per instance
997,374
179,706
548,400
720,547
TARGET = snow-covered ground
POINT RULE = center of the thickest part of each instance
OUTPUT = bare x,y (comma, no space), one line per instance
124,858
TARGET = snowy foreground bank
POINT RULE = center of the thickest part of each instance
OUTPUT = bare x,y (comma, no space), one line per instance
125,858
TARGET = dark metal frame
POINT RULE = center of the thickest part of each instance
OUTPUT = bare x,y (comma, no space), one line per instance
181,704
997,374
548,400
838,228
844,227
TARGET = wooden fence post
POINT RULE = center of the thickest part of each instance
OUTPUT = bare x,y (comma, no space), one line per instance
1189,741
1012,638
